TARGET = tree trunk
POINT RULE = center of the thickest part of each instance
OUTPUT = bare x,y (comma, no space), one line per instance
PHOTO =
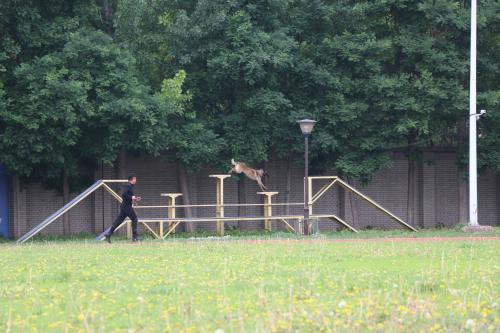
66,222
463,211
107,16
19,222
121,173
463,204
498,198
354,205
184,185
122,161
242,198
411,217
341,202
341,198
288,184
420,192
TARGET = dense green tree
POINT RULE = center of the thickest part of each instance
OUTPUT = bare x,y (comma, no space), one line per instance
232,64
191,139
81,103
72,95
203,81
377,75
488,85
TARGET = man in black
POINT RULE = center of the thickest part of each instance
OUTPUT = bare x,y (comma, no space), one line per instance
126,209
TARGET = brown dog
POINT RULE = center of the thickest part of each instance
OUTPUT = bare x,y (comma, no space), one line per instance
240,167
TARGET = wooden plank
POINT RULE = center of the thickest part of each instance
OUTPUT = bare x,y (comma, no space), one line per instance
224,205
323,177
232,218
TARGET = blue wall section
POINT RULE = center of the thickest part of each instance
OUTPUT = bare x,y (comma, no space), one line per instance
4,203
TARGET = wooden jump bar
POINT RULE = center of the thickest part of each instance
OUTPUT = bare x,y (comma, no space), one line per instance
224,205
235,218
115,181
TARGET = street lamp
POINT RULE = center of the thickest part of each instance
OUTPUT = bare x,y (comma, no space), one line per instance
306,126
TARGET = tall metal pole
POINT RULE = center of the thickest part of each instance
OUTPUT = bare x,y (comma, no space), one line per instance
472,121
306,187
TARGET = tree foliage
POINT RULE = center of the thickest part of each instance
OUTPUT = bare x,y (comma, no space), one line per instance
77,102
203,81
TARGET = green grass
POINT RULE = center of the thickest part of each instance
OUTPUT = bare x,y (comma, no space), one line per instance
250,286
259,234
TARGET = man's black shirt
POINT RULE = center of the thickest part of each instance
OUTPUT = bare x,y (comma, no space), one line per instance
127,195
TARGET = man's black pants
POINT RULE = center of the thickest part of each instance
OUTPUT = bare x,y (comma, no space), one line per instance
124,213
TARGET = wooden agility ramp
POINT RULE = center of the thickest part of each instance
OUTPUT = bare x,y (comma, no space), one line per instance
335,180
97,185
164,226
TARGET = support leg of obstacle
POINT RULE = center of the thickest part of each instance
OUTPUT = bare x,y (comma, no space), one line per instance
268,209
288,225
344,223
151,230
171,212
129,229
219,209
171,228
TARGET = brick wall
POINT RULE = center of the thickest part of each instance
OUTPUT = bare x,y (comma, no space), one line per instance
438,200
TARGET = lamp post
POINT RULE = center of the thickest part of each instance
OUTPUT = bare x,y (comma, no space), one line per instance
306,126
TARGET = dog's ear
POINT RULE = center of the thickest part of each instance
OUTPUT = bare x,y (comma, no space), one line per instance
233,162
266,174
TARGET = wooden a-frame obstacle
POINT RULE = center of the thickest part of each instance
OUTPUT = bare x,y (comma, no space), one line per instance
156,226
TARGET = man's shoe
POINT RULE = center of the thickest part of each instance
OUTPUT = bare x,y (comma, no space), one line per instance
108,238
135,240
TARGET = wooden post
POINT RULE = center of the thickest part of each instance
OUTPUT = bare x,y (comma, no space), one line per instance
219,209
129,229
170,210
242,210
186,198
19,208
268,209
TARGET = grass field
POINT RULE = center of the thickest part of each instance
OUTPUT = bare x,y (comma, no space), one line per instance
251,285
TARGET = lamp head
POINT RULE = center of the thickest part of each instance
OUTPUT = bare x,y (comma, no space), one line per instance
306,126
